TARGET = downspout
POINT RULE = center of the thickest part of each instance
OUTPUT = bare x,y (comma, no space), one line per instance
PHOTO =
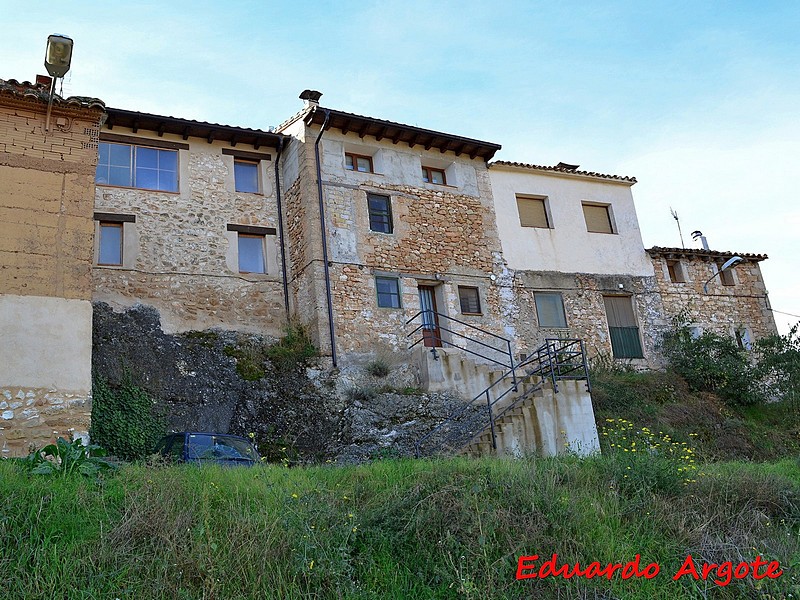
325,238
280,229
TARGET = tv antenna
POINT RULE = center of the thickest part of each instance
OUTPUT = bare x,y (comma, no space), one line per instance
674,214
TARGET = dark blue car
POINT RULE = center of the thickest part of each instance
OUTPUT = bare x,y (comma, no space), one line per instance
202,448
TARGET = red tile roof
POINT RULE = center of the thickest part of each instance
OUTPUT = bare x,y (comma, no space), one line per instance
702,254
563,168
41,92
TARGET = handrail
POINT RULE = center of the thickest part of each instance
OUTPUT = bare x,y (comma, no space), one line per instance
435,316
557,359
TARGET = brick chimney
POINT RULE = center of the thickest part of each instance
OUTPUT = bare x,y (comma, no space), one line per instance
310,97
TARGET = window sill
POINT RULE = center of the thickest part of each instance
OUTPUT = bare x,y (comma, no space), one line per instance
135,189
464,314
603,232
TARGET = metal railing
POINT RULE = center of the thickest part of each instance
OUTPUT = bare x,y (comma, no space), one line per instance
428,331
555,360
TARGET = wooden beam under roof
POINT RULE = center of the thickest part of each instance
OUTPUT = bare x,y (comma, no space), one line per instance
381,134
396,137
211,136
162,127
363,131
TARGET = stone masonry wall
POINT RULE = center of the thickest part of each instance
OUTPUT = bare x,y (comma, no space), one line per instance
180,257
722,309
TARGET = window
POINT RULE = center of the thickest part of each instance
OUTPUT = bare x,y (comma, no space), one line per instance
743,338
625,342
470,300
550,309
726,277
675,270
245,175
251,253
380,213
110,252
431,175
358,162
128,165
532,212
598,218
388,289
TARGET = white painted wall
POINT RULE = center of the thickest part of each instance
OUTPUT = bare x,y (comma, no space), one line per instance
567,247
46,343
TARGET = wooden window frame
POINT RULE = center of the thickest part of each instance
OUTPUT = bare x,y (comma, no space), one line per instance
427,175
612,229
355,158
247,161
675,271
726,277
477,297
398,293
545,209
117,225
134,146
387,214
263,238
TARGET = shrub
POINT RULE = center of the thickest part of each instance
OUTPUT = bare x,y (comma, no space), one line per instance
713,363
250,359
294,348
378,368
67,458
779,364
124,419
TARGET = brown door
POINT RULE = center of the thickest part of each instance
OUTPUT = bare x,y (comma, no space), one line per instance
430,319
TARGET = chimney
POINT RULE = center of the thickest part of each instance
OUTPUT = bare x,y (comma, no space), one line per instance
310,97
45,80
698,236
567,167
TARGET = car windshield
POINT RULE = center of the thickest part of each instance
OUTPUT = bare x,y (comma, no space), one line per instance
219,447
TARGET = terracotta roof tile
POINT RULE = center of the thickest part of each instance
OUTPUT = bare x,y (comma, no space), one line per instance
41,92
563,168
702,253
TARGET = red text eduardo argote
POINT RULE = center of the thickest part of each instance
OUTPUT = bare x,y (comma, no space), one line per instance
530,567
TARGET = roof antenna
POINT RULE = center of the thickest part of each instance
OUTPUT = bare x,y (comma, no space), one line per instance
675,216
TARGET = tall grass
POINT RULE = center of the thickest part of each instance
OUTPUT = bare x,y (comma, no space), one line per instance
392,529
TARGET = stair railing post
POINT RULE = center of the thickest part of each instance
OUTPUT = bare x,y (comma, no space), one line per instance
586,368
491,420
513,368
551,358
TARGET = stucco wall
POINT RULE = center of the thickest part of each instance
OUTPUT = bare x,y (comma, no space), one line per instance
179,256
567,246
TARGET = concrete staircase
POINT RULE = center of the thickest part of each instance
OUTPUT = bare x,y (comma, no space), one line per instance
533,418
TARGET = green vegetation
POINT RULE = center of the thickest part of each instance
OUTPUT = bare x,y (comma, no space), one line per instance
124,420
378,367
393,529
293,350
250,357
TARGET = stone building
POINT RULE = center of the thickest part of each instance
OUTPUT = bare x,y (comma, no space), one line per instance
186,221
47,168
733,302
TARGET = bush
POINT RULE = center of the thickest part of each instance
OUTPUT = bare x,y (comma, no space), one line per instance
124,419
378,368
779,364
293,350
713,363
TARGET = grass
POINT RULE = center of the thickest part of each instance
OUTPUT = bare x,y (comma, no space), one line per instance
392,529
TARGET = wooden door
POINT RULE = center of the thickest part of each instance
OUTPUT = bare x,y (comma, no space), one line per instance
430,319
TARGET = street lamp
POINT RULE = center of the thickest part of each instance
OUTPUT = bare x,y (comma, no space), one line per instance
728,264
57,60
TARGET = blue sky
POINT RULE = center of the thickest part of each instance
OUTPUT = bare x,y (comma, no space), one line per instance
698,100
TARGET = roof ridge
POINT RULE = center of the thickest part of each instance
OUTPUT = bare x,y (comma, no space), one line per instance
562,169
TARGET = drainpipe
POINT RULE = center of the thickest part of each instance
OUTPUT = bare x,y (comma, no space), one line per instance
325,238
280,229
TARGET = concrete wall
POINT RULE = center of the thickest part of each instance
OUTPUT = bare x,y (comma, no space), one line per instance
567,246
46,233
179,256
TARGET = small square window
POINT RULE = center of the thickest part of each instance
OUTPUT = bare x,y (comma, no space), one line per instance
251,253
550,309
245,175
358,162
470,300
388,289
532,212
380,213
598,218
110,252
726,277
675,270
431,175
